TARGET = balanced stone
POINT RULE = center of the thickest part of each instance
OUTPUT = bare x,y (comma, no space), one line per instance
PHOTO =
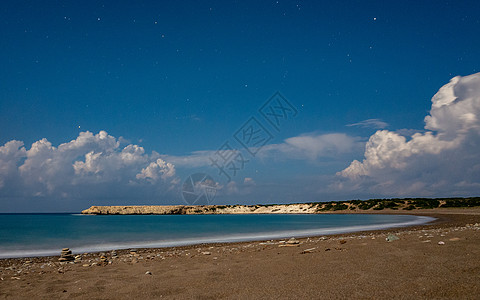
66,255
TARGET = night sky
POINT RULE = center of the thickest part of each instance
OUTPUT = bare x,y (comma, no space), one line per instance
119,102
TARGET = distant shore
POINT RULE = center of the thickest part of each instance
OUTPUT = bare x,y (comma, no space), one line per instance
438,260
355,206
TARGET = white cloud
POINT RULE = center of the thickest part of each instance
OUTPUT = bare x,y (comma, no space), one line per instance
371,123
193,160
156,170
313,146
90,160
442,160
10,155
302,147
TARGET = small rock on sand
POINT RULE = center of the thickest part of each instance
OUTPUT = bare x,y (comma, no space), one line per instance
391,238
308,251
441,243
148,273
293,241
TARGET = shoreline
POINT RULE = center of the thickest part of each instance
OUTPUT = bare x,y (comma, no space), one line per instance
225,238
435,260
443,217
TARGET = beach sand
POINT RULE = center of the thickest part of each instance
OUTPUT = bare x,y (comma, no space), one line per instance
436,261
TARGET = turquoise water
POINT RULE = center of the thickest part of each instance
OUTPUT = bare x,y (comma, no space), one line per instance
23,235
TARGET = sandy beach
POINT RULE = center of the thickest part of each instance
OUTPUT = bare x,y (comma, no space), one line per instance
435,261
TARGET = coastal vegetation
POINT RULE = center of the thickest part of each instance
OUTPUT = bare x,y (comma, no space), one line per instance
293,208
396,203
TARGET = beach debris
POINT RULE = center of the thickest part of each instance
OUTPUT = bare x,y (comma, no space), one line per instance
206,253
343,242
267,243
426,241
441,243
292,241
327,249
66,255
148,273
310,250
85,265
454,239
391,238
114,253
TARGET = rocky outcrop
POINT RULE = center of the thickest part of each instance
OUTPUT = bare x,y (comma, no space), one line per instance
135,210
372,205
201,209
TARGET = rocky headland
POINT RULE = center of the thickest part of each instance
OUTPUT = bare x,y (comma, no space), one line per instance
372,205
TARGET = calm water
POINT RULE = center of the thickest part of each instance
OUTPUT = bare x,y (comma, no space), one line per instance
45,234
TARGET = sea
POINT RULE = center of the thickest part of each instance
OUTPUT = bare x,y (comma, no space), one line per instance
28,235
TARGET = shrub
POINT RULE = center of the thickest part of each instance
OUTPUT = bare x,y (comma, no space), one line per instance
340,206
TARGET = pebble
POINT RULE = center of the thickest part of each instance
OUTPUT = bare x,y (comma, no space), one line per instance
148,273
391,238
308,250
293,241
206,253
441,243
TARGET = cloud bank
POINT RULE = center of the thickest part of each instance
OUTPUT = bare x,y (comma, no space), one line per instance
303,147
443,160
313,146
92,161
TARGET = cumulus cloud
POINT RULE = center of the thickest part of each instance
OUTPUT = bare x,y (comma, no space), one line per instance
157,170
370,123
90,160
442,160
10,155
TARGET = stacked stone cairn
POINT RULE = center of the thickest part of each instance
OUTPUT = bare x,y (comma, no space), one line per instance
66,255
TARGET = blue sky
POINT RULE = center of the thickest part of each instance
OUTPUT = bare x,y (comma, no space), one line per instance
180,77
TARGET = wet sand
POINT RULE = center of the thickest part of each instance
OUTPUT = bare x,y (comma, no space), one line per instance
436,261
